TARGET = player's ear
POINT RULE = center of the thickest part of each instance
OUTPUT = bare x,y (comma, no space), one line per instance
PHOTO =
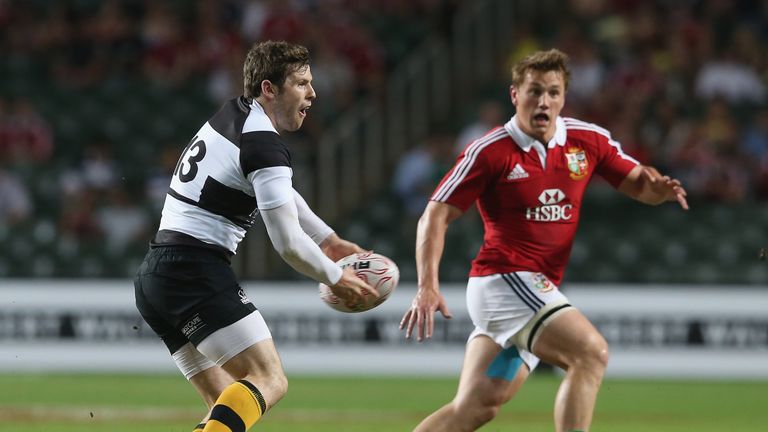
268,89
513,94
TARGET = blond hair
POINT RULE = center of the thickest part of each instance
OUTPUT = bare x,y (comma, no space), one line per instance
542,61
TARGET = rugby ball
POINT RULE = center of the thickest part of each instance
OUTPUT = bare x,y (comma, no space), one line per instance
379,271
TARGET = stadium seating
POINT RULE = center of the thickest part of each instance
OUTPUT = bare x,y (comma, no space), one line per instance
618,241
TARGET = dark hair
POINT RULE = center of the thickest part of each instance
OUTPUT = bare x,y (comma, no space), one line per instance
542,61
272,61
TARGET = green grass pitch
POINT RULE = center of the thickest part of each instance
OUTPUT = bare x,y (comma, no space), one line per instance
167,403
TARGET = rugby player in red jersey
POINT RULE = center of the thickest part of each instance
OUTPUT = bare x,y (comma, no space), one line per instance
528,179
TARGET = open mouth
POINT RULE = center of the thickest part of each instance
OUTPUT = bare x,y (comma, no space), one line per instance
303,111
541,119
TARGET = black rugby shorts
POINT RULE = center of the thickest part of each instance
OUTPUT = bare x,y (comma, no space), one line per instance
186,293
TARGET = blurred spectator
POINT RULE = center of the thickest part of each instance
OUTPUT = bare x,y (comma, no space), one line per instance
334,79
489,115
122,221
98,171
225,80
587,72
710,162
755,142
15,202
727,77
77,223
25,137
158,180
677,82
168,55
755,147
118,45
282,22
419,171
254,15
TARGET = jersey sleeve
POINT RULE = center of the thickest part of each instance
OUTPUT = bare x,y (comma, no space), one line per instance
613,164
467,180
272,186
266,163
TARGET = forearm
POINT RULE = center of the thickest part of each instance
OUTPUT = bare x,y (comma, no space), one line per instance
430,243
310,223
638,186
296,247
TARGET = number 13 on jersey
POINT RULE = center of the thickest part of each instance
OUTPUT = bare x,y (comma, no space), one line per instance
186,167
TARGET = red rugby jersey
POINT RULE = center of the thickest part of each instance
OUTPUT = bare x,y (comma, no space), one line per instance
529,195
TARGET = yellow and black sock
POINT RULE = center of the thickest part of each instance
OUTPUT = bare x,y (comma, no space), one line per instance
199,428
238,407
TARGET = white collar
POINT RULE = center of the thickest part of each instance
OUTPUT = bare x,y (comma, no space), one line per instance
258,120
526,142
257,106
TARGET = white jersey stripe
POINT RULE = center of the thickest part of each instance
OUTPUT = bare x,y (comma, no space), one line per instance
461,170
576,122
621,152
592,128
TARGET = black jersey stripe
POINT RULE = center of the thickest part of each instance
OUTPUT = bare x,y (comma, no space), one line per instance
263,149
231,203
230,119
242,220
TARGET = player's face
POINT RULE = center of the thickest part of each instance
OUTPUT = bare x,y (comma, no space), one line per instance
539,101
293,100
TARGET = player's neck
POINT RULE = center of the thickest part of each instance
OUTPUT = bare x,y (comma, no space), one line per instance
269,110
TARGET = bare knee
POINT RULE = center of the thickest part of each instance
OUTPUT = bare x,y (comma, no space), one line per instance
281,385
593,354
479,409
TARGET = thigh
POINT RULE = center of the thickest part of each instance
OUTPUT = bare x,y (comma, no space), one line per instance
259,360
565,337
482,382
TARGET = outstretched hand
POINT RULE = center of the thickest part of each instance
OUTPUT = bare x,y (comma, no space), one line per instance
422,314
336,248
666,187
351,289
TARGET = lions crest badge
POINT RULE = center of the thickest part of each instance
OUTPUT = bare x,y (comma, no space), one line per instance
577,162
541,283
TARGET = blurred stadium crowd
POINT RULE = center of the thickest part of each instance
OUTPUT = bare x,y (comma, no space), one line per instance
98,97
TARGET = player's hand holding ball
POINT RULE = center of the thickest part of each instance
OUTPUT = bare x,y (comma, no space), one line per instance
368,279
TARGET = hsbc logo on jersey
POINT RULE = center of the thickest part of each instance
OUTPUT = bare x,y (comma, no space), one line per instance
551,196
551,210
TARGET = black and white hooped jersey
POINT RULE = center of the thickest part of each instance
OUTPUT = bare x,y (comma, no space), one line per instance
216,183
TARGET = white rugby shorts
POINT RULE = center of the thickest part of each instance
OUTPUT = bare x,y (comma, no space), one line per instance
512,308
